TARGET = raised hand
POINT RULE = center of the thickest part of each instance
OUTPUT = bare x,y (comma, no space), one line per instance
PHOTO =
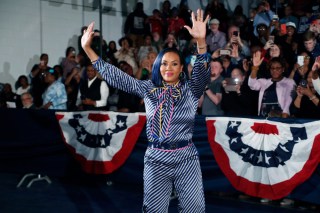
87,36
199,26
256,59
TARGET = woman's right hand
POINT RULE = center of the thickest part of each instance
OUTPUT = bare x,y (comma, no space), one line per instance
87,36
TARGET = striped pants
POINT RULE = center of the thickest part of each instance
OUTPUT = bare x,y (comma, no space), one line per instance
165,169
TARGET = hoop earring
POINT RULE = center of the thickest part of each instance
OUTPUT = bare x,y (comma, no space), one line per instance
182,76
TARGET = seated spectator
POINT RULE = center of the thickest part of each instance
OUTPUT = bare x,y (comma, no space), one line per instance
145,68
128,102
72,84
146,47
126,53
306,104
23,87
7,97
170,42
112,49
69,62
157,41
238,99
94,92
27,101
210,101
271,104
38,85
55,96
215,38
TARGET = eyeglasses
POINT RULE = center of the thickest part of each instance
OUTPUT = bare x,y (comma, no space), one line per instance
261,29
307,57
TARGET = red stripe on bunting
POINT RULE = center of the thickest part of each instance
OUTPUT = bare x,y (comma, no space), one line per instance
273,192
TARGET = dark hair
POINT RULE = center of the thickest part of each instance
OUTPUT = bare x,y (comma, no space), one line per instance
43,55
125,38
278,60
156,74
70,49
217,60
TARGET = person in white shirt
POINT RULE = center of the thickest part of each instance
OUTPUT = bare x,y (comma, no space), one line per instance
93,92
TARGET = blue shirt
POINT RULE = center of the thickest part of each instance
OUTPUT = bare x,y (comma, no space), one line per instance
56,94
170,110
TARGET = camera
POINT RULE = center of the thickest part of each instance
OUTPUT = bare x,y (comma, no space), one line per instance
303,83
235,33
300,60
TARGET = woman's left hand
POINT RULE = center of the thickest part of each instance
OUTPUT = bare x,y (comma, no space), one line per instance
199,26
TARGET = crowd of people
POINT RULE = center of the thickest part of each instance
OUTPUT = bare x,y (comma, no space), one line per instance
262,65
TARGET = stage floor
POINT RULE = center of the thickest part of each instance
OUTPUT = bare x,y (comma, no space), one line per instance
93,194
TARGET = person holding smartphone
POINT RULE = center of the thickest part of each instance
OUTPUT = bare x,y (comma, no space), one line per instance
301,68
306,103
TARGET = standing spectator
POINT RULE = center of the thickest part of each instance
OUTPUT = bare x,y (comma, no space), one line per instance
264,16
55,96
289,42
136,25
215,39
210,101
216,10
94,92
234,36
306,104
38,85
311,45
299,71
275,93
288,16
241,101
156,22
175,23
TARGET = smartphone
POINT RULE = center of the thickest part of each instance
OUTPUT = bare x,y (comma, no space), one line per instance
224,52
231,84
300,60
235,33
271,38
283,28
